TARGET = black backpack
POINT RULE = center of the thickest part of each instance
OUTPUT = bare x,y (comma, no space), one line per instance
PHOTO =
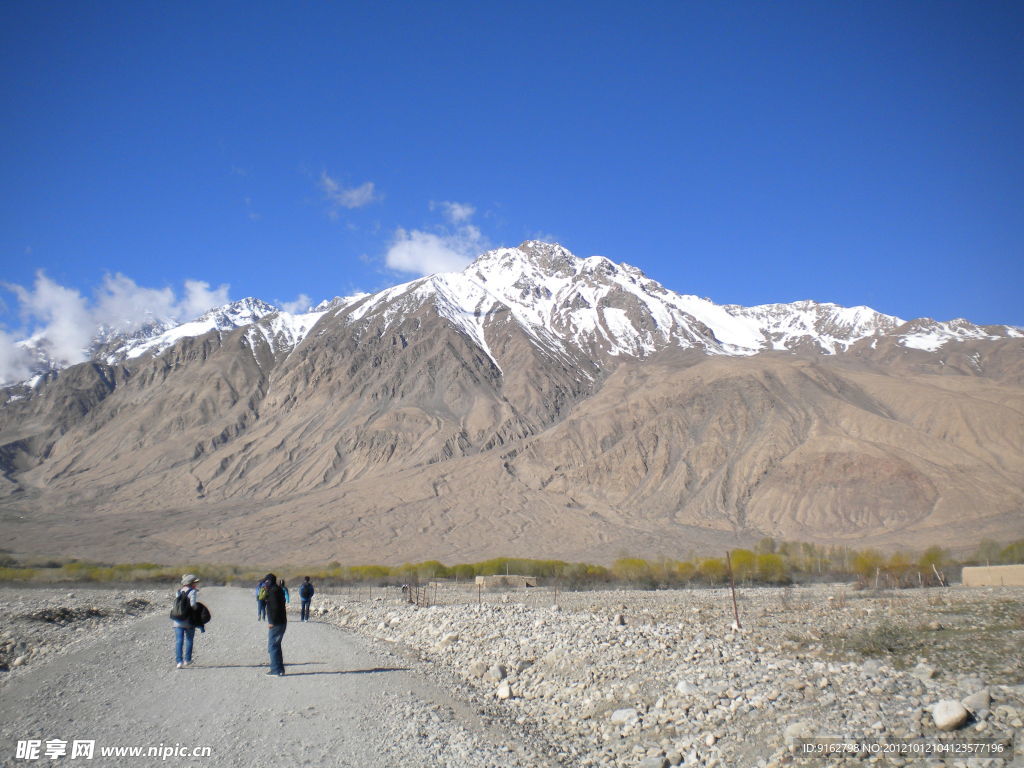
182,608
202,615
306,591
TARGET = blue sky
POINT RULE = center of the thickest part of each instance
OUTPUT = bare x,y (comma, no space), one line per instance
855,152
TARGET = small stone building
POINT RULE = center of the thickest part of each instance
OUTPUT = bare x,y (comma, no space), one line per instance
993,576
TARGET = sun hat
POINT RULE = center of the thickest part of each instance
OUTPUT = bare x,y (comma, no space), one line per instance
188,578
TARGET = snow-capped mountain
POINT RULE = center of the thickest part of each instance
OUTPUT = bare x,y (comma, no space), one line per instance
607,310
533,401
237,314
569,306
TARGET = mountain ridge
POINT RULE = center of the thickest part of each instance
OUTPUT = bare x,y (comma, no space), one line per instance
533,404
605,308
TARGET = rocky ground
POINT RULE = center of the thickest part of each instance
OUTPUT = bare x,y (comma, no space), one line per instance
634,678
538,677
42,621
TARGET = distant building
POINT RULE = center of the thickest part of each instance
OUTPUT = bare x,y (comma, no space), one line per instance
506,580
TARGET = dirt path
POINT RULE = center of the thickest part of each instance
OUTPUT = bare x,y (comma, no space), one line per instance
342,702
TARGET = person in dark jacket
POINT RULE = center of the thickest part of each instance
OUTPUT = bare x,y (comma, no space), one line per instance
277,619
305,595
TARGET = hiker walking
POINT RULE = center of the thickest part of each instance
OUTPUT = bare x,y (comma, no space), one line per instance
305,596
277,622
261,600
287,596
183,619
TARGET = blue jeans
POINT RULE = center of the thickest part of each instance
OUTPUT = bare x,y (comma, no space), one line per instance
183,636
261,609
304,609
274,637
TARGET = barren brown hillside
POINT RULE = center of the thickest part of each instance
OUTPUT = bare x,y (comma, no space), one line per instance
404,442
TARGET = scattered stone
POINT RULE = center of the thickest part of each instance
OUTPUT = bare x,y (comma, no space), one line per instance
871,668
495,674
448,640
949,715
977,702
625,716
970,684
604,694
802,729
923,671
521,665
686,688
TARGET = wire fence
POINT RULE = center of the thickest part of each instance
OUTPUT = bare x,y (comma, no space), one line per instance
428,593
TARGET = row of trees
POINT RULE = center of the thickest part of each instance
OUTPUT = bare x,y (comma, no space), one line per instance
769,562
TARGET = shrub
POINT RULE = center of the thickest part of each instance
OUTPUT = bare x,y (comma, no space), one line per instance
772,569
713,570
17,574
883,639
744,564
632,569
686,571
1014,553
866,564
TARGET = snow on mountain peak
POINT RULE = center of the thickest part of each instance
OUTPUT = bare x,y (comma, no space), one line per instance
228,317
237,313
567,305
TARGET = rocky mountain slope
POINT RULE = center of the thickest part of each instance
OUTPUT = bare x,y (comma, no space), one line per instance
534,404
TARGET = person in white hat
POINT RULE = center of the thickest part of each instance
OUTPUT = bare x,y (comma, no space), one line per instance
183,620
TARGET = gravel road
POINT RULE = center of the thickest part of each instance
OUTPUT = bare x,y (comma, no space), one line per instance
343,702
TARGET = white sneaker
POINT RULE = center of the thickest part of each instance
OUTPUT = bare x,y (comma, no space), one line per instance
178,666
186,663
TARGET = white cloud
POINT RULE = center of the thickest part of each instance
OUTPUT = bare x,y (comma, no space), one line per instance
545,237
199,299
340,197
14,361
300,306
456,213
424,253
126,306
65,323
448,249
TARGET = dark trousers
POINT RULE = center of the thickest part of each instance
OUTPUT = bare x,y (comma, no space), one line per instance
304,609
274,637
